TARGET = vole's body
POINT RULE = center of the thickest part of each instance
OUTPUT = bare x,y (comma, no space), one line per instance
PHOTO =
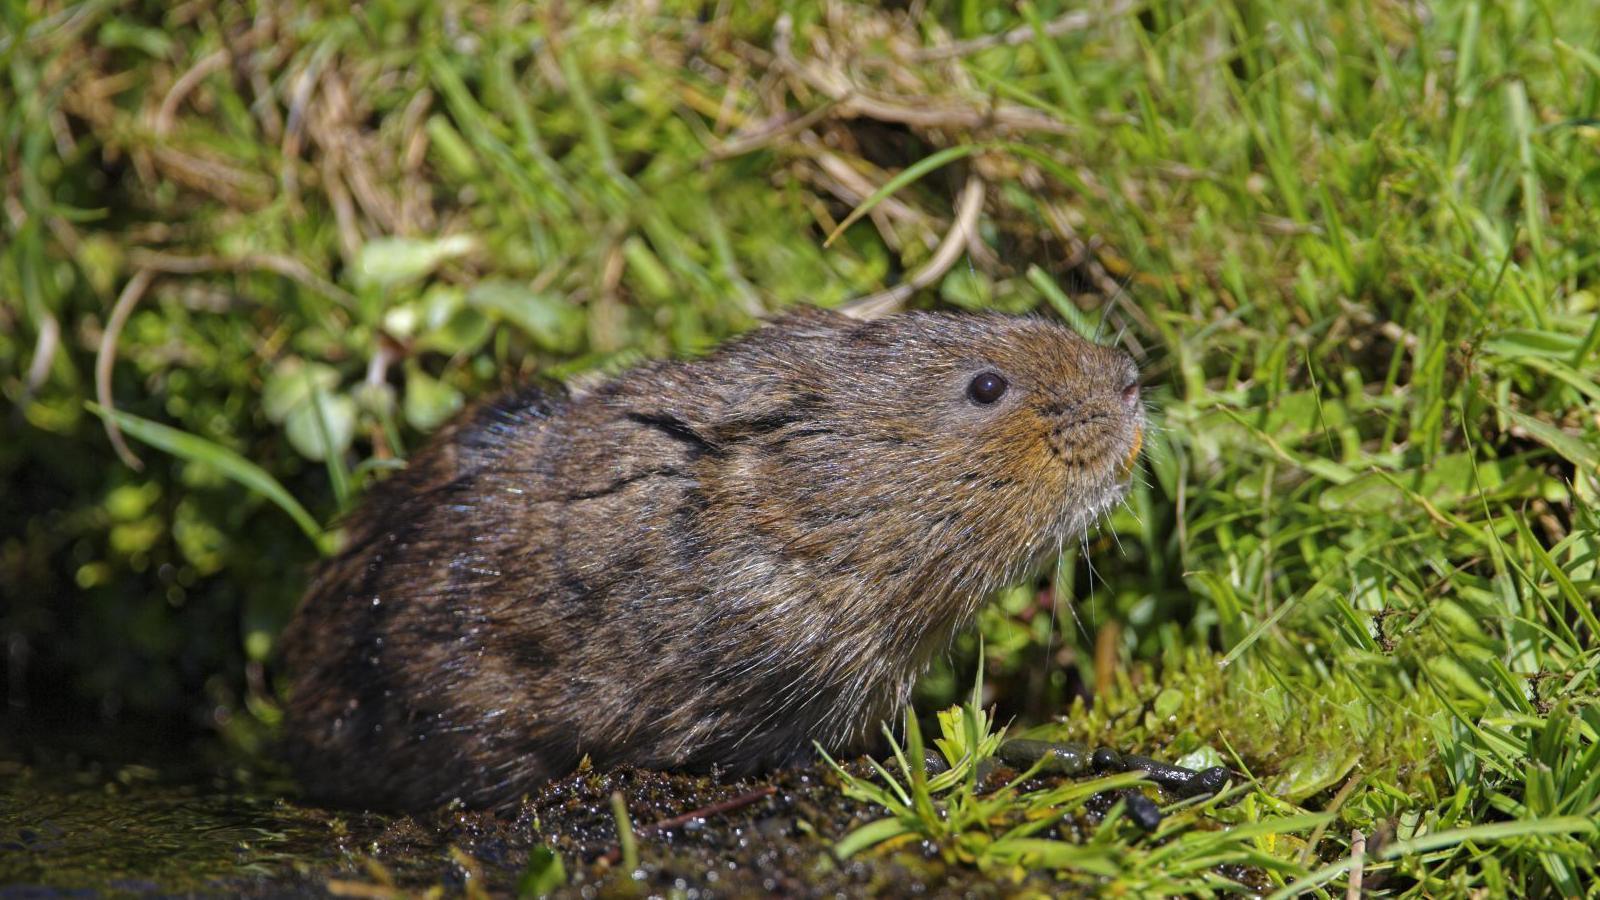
696,563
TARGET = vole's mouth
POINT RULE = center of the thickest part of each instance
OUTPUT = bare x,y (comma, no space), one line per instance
1101,448
1099,436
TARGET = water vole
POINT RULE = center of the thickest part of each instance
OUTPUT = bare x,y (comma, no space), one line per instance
712,562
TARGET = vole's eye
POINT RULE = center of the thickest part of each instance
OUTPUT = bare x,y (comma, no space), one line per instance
986,388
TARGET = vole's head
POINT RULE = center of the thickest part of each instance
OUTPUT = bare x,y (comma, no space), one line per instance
936,453
1012,402
1016,425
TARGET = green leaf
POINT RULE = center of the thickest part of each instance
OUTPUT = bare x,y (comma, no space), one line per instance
1498,831
1043,853
290,386
1063,305
646,273
869,835
322,430
428,401
387,262
548,318
1445,482
448,325
1584,455
1517,344
1314,770
544,875
119,32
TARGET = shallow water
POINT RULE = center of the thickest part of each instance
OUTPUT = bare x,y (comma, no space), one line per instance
67,828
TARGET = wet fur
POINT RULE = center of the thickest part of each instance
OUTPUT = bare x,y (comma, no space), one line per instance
712,562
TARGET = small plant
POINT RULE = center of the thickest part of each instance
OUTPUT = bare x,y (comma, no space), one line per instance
1012,829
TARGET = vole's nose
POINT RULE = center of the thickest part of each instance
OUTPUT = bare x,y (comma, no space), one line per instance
1124,377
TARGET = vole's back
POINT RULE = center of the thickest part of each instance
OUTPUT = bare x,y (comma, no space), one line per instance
700,563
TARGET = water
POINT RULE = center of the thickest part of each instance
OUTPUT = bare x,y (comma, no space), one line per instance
71,824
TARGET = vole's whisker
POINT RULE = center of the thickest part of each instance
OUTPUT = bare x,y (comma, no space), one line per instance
1133,512
1117,539
1055,602
1094,608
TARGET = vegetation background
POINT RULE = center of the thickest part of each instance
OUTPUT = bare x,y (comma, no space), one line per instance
1355,245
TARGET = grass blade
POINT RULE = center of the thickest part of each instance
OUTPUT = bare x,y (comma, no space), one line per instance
910,174
197,449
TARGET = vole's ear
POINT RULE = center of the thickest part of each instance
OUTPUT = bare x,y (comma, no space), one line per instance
810,321
731,418
695,436
763,381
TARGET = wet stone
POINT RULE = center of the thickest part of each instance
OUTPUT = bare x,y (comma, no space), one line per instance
1059,759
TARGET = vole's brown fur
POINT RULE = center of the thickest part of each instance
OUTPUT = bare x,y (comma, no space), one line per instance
699,563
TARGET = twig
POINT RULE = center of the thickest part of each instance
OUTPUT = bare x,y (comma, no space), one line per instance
744,142
728,805
932,112
130,296
186,83
915,111
287,266
704,812
1358,862
955,240
1331,807
44,354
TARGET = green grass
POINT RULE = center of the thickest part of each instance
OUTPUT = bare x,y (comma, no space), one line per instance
1355,246
1006,831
